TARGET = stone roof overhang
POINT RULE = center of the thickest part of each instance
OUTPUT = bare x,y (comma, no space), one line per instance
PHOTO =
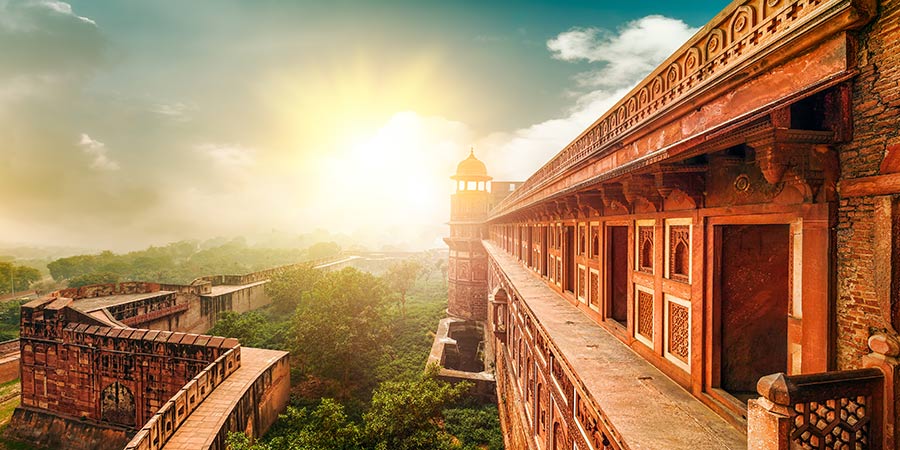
750,58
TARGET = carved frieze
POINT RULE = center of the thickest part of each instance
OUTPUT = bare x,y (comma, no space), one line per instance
746,32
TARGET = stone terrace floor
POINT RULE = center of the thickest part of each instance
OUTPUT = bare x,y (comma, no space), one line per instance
199,430
648,409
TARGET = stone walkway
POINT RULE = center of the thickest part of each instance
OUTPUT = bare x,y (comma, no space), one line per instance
646,408
200,429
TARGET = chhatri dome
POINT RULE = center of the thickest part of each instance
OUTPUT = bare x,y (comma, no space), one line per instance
471,169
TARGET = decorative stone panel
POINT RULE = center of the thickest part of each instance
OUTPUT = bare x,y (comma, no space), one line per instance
678,331
643,329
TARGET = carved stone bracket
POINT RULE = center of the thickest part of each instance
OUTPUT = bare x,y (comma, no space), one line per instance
590,203
689,180
641,188
799,158
613,197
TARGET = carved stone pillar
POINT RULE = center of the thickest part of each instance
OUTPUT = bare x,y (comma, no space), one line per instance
884,352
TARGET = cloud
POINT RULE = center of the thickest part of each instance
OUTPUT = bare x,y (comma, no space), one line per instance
625,56
97,150
228,155
29,15
65,9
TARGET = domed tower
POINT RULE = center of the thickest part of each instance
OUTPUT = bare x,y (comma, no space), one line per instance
467,274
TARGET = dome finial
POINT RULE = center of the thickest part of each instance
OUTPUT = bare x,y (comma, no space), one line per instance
472,151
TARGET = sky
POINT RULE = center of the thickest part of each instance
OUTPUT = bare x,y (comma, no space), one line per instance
131,123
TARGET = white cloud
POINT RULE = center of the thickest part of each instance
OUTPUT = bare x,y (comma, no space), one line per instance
228,155
627,56
624,58
97,150
65,9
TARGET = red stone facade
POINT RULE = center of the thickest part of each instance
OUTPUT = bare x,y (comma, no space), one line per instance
75,367
736,215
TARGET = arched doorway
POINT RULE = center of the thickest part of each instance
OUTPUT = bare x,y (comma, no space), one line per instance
117,405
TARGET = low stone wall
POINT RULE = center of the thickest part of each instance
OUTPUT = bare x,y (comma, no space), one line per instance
43,429
9,360
260,405
484,385
162,425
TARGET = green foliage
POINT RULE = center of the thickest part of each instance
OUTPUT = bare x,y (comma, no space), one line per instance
93,278
347,341
288,289
252,329
15,278
182,262
477,427
401,277
326,427
407,414
9,319
339,333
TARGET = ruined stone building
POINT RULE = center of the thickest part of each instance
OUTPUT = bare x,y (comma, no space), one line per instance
715,262
123,365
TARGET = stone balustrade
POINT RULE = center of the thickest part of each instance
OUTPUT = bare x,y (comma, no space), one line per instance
162,426
831,410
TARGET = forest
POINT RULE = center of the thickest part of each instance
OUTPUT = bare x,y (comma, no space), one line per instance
359,344
180,262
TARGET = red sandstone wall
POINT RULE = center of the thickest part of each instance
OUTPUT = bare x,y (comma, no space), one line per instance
876,109
67,366
259,406
512,423
50,431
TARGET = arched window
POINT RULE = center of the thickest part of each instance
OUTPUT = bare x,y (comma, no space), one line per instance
595,245
681,260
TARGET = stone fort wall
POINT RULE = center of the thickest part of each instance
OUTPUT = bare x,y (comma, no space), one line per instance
868,229
117,378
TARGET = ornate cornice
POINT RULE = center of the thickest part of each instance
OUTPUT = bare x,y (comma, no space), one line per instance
744,32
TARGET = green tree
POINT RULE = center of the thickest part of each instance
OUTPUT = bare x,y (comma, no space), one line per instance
339,333
324,428
252,329
401,277
288,289
406,415
477,427
93,278
15,278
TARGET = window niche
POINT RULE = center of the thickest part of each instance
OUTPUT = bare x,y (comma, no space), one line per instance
678,250
644,243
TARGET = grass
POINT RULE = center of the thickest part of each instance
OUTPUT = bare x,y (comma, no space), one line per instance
9,399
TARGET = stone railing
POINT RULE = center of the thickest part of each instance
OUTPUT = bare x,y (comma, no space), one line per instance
160,428
832,410
262,275
153,315
738,36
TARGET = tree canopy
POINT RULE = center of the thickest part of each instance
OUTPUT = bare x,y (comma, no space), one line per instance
401,277
339,332
15,278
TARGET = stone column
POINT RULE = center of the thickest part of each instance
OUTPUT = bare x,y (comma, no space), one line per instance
768,425
884,352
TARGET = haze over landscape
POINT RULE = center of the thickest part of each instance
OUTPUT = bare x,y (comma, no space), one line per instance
127,124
